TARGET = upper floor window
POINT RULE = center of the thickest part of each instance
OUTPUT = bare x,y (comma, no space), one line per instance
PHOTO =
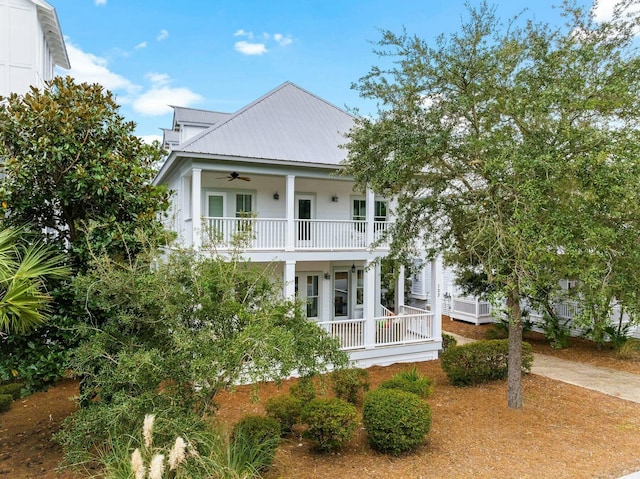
360,210
243,205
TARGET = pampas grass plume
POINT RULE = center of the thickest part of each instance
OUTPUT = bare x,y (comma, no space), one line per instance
157,467
147,430
176,456
137,466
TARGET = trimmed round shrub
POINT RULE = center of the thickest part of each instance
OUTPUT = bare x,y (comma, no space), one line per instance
5,402
257,437
303,389
481,361
331,422
422,386
350,384
396,421
285,409
14,389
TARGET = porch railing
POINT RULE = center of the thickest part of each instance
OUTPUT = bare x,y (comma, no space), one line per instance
249,233
271,233
470,307
390,329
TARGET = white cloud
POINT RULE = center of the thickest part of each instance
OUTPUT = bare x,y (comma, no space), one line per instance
148,139
282,40
163,35
87,67
140,45
247,48
242,33
603,10
90,68
158,78
100,2
155,102
255,48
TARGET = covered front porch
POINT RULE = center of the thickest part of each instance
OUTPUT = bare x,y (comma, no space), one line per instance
344,299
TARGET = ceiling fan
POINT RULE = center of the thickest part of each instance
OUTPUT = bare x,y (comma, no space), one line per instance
234,176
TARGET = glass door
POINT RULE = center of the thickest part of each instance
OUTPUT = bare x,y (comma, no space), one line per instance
304,212
341,294
215,212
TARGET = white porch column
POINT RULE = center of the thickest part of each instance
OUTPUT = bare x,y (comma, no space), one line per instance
290,212
290,280
370,302
370,199
435,294
400,290
183,211
196,210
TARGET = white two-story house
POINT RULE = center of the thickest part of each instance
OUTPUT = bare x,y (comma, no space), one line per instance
31,45
268,173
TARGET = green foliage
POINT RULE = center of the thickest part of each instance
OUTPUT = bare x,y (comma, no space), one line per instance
500,328
448,341
72,160
240,457
304,389
522,139
258,433
13,388
40,358
410,381
350,384
222,321
286,409
396,421
557,334
24,270
481,361
331,422
5,402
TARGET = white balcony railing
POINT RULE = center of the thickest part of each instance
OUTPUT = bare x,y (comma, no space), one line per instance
271,233
389,329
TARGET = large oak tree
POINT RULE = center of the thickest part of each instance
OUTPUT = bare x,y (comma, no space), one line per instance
515,151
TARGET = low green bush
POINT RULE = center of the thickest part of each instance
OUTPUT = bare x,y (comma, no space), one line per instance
303,389
285,409
410,381
448,341
481,361
350,384
396,421
5,402
331,422
14,389
253,434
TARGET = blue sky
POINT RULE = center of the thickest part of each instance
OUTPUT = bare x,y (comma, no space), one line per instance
222,54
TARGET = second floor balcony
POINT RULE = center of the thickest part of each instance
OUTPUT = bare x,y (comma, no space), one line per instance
280,234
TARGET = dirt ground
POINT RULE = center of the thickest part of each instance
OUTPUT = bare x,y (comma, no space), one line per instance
563,432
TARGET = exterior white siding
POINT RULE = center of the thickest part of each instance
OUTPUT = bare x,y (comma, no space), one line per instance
27,57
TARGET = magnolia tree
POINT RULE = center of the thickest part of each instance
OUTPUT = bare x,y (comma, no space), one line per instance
70,161
514,151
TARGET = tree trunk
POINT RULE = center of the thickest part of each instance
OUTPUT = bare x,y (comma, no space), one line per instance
514,381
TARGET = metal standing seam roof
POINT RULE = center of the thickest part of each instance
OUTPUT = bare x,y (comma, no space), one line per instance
52,32
194,116
288,123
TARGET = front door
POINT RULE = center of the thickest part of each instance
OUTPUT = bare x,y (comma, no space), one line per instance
304,212
215,213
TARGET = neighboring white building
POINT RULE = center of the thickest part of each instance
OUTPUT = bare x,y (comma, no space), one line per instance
31,45
269,171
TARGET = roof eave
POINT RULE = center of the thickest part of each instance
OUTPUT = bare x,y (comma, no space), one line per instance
53,33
